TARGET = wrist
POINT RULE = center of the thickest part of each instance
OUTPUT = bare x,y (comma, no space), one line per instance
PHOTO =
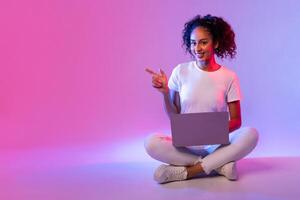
165,92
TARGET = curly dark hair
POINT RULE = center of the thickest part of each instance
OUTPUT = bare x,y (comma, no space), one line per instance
220,30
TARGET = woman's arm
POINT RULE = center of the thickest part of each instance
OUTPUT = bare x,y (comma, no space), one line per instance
171,102
235,120
171,97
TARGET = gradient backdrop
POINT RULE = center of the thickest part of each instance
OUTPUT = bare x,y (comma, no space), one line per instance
72,72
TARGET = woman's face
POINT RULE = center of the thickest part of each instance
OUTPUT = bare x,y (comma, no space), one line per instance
202,45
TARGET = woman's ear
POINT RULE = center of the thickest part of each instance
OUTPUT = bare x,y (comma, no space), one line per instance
216,45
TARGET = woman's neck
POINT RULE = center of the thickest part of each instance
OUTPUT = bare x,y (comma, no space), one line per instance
209,65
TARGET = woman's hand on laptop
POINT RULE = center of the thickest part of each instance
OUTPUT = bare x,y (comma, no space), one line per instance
159,80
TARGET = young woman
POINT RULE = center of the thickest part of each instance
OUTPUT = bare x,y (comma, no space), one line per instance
202,85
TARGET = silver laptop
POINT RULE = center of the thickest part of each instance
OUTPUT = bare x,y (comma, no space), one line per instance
192,129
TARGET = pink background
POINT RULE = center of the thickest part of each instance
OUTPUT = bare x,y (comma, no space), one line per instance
72,72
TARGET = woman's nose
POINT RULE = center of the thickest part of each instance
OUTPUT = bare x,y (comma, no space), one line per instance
197,47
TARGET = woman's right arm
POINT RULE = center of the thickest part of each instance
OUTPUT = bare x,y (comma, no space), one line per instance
171,97
171,102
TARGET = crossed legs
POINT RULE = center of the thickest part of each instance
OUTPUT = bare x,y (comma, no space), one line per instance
204,159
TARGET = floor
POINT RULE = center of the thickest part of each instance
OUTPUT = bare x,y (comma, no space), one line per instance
74,175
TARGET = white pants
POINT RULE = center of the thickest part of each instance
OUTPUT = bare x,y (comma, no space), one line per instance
242,142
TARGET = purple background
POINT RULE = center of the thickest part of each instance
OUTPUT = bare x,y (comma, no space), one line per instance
72,72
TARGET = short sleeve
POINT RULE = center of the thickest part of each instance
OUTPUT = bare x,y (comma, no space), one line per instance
234,91
174,80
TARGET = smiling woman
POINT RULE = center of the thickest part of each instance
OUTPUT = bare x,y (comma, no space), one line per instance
202,85
217,31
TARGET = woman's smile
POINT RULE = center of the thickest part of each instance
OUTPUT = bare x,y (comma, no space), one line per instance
200,55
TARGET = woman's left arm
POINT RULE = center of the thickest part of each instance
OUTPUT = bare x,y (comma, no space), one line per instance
235,120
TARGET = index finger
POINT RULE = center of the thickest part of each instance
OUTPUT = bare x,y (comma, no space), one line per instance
150,71
162,72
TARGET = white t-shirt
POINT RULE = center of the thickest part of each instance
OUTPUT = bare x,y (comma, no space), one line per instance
202,91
